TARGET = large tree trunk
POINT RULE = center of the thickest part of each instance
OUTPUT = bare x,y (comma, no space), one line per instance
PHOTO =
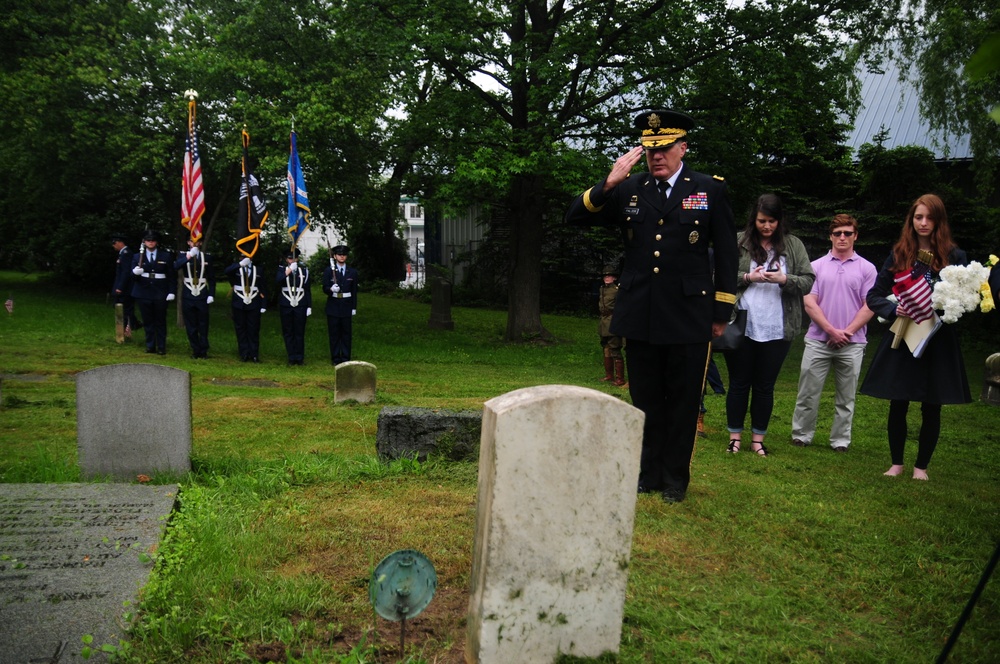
524,316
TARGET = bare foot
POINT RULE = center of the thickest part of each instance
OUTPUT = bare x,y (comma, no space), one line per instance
894,470
920,474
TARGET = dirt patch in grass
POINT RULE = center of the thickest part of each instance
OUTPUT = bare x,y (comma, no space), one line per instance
353,527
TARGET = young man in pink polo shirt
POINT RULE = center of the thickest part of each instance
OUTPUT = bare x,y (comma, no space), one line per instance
836,338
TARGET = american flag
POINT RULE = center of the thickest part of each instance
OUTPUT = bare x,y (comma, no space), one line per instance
192,191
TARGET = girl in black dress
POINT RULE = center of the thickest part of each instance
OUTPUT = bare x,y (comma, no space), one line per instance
938,376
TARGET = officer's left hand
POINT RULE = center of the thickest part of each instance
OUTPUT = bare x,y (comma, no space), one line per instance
170,297
210,299
309,311
354,312
262,310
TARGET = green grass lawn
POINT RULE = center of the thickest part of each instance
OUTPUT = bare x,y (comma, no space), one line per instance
805,556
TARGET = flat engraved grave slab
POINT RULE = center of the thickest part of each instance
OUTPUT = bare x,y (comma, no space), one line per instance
72,560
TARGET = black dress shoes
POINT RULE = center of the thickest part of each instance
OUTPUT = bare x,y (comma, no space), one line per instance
674,495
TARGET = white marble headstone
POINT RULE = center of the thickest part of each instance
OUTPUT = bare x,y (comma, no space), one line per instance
558,470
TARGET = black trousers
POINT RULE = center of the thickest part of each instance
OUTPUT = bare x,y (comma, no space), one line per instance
154,316
666,383
293,331
196,326
247,325
339,330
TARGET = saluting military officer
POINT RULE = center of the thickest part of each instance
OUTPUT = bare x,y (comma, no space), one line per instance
199,292
294,305
670,304
153,286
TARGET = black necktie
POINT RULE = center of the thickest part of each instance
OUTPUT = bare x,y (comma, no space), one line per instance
664,188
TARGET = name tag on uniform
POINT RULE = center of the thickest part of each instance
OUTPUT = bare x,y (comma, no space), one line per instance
631,211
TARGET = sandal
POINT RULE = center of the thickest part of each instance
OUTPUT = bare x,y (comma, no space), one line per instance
734,445
761,451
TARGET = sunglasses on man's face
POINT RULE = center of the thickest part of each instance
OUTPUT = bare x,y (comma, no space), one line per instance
842,233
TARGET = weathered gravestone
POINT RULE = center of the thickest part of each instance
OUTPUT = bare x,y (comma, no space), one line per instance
416,433
558,469
133,419
355,382
441,306
991,381
72,560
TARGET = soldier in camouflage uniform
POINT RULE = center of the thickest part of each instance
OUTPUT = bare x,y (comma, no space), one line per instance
614,363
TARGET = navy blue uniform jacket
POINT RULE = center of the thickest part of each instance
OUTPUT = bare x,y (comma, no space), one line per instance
341,304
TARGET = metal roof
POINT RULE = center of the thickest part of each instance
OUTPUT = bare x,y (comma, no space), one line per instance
888,102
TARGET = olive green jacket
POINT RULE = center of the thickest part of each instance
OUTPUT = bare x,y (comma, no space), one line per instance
800,280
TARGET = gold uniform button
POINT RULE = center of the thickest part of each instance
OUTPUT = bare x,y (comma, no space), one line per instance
656,270
659,223
703,292
630,219
658,237
656,254
696,222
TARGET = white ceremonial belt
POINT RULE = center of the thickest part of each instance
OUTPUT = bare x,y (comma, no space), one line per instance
153,275
340,296
195,288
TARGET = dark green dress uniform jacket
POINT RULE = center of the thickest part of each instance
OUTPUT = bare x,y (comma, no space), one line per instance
667,291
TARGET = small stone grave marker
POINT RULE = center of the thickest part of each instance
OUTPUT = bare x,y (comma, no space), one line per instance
133,419
558,470
355,382
441,306
72,560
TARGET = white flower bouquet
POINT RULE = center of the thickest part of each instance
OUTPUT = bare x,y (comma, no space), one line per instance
963,288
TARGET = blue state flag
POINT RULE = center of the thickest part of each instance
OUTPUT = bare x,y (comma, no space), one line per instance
298,199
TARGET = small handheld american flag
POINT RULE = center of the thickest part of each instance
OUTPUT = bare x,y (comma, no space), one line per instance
914,292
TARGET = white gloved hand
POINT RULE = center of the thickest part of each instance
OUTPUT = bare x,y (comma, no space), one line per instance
170,297
335,288
262,310
210,299
354,312
244,262
193,252
309,311
293,266
137,270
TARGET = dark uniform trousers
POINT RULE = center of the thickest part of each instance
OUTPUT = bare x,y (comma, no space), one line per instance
668,297
293,316
670,429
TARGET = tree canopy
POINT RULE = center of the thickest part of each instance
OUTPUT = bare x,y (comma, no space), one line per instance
512,106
